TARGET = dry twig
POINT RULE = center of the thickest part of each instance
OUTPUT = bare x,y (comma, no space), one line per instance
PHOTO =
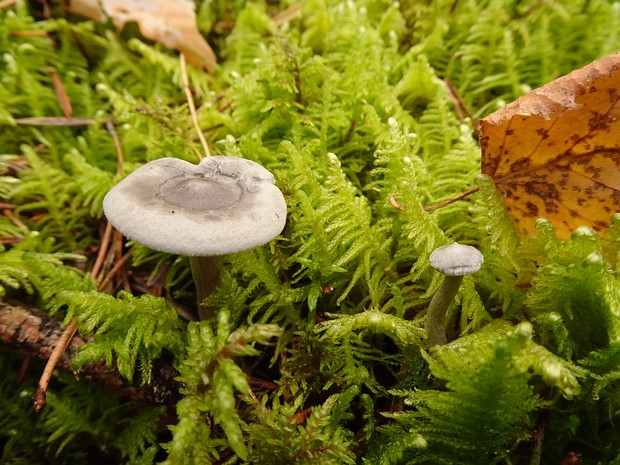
192,107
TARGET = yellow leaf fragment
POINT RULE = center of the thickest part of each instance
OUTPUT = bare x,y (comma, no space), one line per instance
555,151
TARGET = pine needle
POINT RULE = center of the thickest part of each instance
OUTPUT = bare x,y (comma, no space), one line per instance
192,107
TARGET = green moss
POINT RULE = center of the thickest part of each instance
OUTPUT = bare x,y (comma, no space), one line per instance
317,354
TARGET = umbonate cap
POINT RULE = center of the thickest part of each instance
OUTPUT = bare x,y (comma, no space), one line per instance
222,205
456,259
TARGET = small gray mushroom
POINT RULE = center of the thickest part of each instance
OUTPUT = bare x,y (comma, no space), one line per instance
454,261
222,205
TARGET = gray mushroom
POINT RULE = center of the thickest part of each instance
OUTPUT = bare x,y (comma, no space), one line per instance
222,205
454,261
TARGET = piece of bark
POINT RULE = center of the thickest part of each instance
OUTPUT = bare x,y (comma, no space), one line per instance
33,333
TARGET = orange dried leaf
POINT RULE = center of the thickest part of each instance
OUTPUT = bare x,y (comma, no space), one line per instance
170,22
555,151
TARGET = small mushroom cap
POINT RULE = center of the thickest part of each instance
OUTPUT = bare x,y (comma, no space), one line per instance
456,259
222,205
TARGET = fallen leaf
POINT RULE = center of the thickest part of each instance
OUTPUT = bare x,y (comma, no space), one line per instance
170,22
555,151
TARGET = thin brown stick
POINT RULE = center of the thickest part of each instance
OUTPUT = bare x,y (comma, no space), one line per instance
458,104
39,217
461,108
61,346
116,251
29,33
61,93
395,203
119,242
117,145
287,15
7,3
54,121
192,107
11,240
456,198
114,270
103,250
16,221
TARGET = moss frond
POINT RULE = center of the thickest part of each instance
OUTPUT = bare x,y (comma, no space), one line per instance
31,265
349,105
126,330
212,379
460,425
286,434
571,271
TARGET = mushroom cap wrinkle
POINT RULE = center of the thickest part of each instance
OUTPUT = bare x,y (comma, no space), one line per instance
222,205
456,259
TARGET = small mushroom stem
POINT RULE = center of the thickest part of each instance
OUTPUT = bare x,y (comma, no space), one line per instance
436,313
206,273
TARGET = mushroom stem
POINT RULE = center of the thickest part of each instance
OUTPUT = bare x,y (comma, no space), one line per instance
206,273
436,313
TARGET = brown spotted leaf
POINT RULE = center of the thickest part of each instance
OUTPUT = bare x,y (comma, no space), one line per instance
555,151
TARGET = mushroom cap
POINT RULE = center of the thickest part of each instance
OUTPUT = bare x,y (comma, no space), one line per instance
456,259
222,205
